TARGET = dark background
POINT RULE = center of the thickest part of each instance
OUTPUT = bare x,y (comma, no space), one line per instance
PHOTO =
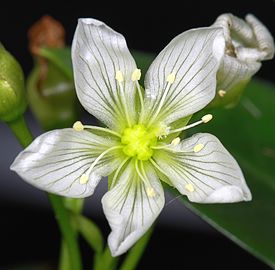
28,233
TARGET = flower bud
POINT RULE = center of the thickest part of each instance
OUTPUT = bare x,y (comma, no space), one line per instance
12,91
51,92
248,42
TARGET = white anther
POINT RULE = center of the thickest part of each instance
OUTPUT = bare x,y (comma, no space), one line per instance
84,179
119,76
198,147
189,187
176,141
136,75
78,126
207,118
221,93
171,78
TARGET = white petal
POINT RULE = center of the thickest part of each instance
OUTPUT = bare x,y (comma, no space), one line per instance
264,39
233,71
55,161
130,209
204,170
98,53
193,59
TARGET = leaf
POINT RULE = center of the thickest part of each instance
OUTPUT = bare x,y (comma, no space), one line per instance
61,58
248,132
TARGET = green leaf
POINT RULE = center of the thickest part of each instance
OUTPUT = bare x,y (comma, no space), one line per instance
248,132
59,57
89,232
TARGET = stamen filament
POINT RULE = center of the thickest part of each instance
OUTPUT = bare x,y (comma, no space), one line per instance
140,97
143,177
88,172
157,166
124,103
204,119
160,103
118,171
103,129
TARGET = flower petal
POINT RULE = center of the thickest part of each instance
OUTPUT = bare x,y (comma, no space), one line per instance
98,53
201,168
182,79
130,208
56,160
233,71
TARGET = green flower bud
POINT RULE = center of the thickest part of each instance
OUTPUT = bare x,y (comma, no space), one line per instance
51,92
12,91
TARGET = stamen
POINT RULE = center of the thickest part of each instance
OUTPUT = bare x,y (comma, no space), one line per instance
102,129
84,179
221,93
171,78
142,174
119,76
85,176
176,141
151,192
136,75
197,148
119,170
205,119
189,187
78,126
135,78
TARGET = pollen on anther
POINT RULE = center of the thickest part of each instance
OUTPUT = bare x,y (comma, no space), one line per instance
171,78
221,93
207,118
78,126
151,192
198,147
189,187
136,75
176,141
84,179
119,76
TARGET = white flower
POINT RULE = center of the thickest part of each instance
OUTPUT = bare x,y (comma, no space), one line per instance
247,44
140,144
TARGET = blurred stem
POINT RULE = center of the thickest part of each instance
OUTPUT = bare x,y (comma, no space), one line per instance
24,136
21,131
75,206
135,254
64,262
68,232
105,261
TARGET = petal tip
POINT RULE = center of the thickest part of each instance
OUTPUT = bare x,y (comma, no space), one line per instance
228,194
89,21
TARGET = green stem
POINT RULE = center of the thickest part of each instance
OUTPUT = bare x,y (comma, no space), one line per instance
68,232
24,136
64,262
134,255
21,131
105,261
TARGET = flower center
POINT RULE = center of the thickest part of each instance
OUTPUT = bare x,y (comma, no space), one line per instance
138,141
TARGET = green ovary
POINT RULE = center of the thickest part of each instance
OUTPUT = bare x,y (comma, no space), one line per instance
138,142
